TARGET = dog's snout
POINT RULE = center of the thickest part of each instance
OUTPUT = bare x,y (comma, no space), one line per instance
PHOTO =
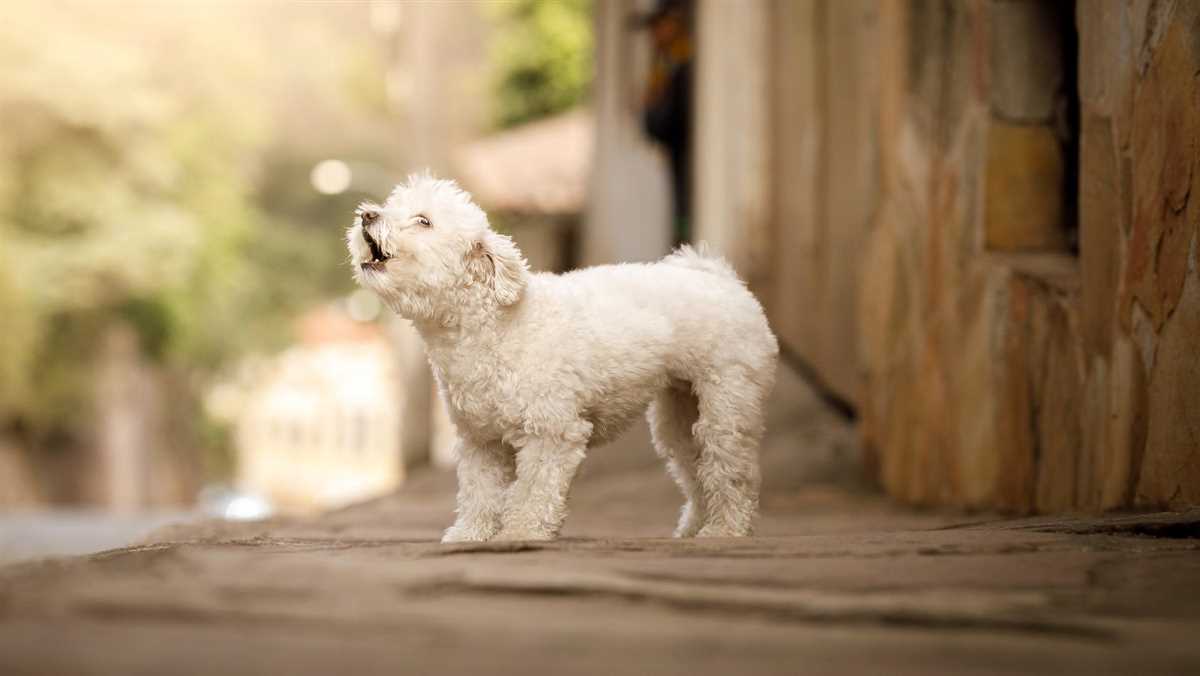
368,216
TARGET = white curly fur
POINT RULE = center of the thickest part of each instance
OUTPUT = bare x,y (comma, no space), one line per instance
537,368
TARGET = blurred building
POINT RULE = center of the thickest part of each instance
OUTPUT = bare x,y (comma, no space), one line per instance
628,216
533,182
971,219
18,487
316,426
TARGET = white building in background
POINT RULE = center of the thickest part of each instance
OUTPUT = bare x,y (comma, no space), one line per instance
317,426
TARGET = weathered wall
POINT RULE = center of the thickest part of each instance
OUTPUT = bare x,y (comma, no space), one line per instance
786,173
975,220
1035,379
1141,127
929,305
731,134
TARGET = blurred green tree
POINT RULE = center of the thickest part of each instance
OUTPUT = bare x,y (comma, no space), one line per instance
543,58
140,160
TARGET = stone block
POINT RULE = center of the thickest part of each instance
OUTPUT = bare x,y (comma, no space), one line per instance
1125,422
943,39
1015,427
1060,406
935,472
1024,184
1026,54
894,416
1099,231
1165,134
975,385
885,299
1039,389
1095,450
1106,63
1170,472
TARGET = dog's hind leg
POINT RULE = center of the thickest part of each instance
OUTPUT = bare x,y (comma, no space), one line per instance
729,428
671,416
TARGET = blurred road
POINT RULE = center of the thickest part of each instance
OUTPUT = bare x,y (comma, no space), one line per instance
839,580
58,532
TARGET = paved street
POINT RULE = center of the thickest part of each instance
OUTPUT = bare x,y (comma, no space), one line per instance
838,581
74,531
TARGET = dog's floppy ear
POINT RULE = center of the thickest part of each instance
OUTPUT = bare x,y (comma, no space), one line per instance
494,260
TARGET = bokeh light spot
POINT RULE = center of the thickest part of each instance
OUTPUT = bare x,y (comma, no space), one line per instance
331,177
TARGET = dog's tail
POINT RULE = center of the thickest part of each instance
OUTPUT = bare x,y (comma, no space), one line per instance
700,258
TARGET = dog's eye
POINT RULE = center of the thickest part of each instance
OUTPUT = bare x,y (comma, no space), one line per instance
423,221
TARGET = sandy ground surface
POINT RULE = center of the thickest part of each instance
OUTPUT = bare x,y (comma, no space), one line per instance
838,581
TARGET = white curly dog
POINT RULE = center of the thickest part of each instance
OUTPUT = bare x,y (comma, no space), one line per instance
537,368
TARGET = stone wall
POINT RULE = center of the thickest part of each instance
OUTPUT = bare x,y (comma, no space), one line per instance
974,220
1001,369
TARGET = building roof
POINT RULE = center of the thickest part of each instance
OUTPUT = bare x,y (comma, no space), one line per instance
538,168
329,324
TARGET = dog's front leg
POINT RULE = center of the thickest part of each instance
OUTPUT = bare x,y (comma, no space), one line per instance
536,503
484,474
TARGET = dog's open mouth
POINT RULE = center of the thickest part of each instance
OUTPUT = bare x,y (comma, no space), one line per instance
378,257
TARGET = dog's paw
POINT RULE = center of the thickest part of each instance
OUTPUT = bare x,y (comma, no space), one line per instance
686,530
723,531
691,519
522,535
464,534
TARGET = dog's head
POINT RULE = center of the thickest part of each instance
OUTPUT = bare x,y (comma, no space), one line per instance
429,253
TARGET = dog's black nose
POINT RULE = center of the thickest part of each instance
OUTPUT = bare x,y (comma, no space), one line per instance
368,216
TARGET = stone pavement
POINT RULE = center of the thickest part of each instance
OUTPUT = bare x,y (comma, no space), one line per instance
838,581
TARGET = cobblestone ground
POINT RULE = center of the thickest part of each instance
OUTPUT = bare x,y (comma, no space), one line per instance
838,581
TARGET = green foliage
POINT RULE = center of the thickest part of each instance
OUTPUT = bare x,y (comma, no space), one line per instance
543,58
131,170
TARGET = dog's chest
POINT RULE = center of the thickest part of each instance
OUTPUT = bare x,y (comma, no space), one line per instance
475,398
